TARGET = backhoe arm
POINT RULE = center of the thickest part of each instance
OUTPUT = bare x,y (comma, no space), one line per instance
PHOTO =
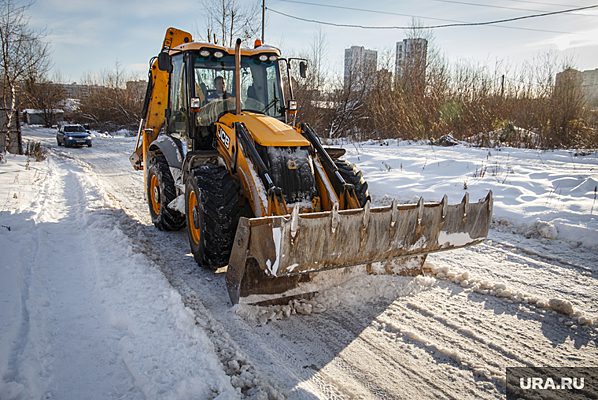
156,100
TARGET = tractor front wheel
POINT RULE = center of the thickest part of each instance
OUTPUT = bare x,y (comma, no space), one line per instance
160,192
212,206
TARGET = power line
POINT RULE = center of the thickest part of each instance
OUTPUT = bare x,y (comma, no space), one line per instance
540,2
402,15
453,24
504,7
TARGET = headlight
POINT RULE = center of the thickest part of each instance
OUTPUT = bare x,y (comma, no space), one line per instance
218,54
204,53
263,57
273,58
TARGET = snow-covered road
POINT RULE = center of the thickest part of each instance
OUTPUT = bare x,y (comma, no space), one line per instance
86,303
101,296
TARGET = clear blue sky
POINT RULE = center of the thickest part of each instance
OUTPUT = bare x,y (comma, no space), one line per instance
91,36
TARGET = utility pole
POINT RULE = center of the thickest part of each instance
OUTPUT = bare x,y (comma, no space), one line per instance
263,18
502,86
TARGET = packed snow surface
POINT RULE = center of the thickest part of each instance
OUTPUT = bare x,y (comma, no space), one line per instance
97,303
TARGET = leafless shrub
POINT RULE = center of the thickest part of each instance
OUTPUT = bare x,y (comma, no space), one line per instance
34,149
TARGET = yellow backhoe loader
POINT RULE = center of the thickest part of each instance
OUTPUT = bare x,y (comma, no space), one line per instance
222,155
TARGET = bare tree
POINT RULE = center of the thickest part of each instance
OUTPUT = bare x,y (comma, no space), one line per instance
228,20
310,93
45,95
111,103
21,51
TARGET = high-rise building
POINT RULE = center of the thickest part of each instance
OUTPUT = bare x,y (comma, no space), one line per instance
584,81
360,67
411,59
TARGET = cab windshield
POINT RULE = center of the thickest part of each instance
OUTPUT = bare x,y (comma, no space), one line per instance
215,87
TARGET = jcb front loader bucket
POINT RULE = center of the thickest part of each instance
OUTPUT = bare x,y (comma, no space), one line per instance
272,256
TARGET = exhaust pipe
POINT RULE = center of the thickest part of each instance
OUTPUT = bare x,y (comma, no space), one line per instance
238,77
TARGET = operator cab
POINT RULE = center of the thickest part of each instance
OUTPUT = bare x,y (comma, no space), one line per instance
203,87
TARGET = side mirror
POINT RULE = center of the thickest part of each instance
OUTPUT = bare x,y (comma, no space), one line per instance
302,69
164,63
195,103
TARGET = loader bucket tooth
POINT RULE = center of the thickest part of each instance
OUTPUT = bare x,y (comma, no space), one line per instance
279,256
443,204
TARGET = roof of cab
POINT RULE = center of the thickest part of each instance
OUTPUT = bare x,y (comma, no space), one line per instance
227,50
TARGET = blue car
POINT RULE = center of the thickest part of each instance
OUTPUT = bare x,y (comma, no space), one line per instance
73,135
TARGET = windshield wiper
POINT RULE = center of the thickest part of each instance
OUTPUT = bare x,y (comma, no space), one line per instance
270,105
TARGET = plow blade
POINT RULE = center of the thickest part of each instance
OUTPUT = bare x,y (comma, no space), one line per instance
273,256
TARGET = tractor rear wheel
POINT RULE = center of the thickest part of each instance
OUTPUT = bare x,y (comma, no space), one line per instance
213,208
353,175
160,192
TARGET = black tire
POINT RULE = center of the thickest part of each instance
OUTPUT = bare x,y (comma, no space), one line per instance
89,145
353,175
58,142
162,193
216,216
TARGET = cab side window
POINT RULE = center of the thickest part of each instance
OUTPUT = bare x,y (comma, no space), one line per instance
177,123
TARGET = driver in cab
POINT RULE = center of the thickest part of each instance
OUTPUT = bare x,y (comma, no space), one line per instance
220,90
218,101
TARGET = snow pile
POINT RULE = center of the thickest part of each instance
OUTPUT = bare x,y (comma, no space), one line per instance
264,314
19,176
102,135
512,136
243,375
123,133
350,287
500,289
543,229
